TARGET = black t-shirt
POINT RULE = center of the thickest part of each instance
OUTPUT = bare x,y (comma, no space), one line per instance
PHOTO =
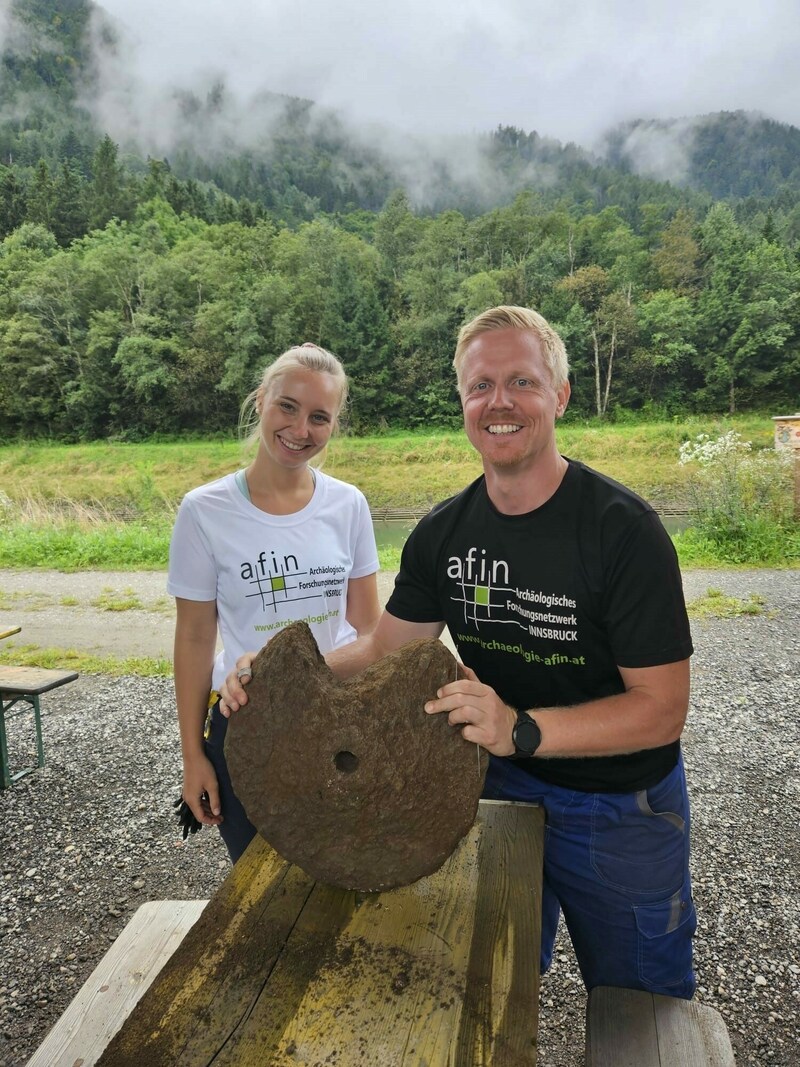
546,606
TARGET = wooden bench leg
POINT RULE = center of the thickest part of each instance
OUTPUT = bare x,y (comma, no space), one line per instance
38,720
632,1028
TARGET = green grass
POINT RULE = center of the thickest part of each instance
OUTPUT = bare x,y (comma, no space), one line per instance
113,600
394,470
73,545
389,558
769,546
18,601
69,659
714,604
110,506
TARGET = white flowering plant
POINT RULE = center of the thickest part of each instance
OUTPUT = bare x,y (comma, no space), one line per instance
740,498
6,506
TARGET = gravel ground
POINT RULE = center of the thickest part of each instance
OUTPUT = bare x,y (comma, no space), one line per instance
91,836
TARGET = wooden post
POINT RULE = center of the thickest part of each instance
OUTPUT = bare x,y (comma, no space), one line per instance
282,970
787,438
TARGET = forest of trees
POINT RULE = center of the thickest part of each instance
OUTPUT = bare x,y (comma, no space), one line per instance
142,296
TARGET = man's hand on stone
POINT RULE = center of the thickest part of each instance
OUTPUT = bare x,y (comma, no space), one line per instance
485,719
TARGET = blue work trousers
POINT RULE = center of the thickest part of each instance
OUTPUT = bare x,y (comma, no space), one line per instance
617,866
236,829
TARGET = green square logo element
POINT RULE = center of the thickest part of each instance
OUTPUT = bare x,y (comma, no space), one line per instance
278,584
482,595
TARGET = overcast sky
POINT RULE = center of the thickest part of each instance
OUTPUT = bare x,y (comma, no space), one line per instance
567,69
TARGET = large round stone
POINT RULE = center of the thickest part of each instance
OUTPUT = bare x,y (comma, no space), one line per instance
352,780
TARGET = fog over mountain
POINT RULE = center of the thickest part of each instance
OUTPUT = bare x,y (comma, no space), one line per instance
409,94
567,70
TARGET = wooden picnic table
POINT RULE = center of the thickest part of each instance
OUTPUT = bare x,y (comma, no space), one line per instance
24,686
281,970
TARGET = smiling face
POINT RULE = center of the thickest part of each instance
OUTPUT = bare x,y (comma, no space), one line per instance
298,412
509,401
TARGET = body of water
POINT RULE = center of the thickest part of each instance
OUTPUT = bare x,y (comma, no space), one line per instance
392,533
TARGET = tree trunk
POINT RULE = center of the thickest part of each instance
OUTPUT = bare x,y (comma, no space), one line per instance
610,368
597,374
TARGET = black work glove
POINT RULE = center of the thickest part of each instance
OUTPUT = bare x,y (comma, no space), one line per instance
186,817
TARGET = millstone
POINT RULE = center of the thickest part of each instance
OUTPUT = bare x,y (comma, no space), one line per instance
352,780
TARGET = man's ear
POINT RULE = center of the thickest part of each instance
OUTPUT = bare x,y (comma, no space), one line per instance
563,393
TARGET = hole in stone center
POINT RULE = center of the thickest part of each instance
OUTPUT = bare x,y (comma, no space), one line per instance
346,762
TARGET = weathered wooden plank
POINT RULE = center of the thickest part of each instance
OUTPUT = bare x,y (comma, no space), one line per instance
120,979
621,1029
691,1034
281,971
633,1028
500,1019
218,972
442,972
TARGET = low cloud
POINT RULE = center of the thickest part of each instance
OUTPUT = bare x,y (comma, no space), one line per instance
415,84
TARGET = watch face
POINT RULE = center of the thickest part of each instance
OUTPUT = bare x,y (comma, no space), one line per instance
526,736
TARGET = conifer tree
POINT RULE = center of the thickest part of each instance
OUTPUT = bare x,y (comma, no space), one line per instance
107,196
13,202
70,218
41,197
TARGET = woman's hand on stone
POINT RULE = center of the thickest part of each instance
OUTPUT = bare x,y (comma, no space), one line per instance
232,695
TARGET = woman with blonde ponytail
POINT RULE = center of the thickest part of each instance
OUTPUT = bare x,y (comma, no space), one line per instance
274,543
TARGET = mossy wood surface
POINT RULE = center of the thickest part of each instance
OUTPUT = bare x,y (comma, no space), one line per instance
280,970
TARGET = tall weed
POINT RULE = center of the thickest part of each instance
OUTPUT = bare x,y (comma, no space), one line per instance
71,536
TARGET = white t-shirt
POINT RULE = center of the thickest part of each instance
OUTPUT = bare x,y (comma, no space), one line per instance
265,571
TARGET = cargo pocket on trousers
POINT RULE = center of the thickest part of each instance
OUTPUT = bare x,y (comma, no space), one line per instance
665,932
634,849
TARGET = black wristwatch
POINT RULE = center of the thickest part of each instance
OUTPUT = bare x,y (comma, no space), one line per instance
526,735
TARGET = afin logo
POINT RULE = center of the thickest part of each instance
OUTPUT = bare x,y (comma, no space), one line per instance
258,569
481,571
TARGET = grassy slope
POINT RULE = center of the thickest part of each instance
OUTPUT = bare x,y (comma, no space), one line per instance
394,471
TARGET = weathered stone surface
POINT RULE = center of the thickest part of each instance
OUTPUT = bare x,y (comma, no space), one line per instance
351,780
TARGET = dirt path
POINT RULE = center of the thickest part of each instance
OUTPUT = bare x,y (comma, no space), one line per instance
57,610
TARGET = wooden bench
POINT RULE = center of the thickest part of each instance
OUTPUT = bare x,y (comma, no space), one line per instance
281,970
632,1028
24,686
117,983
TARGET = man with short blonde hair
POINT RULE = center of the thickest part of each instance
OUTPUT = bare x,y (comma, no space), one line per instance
509,317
